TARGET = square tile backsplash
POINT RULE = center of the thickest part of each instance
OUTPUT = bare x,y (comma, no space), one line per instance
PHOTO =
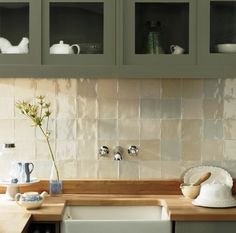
176,124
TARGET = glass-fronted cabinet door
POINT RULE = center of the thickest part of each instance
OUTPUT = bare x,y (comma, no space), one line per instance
159,32
79,32
217,32
20,32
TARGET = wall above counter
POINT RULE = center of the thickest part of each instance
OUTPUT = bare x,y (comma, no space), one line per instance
120,38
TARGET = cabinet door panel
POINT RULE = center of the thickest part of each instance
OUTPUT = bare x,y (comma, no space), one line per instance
20,19
89,24
205,227
217,32
151,28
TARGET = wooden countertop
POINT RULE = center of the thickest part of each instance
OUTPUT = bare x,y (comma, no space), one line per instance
14,218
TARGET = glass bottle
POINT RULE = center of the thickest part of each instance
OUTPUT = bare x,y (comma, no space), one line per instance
55,182
154,45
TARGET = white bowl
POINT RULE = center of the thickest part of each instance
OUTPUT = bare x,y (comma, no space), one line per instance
215,195
226,48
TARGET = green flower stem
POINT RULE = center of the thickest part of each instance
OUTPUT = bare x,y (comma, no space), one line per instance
51,153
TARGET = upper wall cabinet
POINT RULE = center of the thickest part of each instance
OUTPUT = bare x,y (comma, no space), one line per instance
217,32
159,32
79,32
20,32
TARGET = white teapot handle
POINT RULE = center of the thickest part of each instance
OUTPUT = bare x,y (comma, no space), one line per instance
43,194
77,46
17,198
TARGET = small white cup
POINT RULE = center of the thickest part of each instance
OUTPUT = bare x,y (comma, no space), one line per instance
176,49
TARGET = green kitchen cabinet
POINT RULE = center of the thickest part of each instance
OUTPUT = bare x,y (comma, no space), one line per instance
87,23
217,26
150,31
205,227
18,19
120,38
152,27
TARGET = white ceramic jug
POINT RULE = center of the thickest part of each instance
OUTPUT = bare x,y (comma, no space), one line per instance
62,48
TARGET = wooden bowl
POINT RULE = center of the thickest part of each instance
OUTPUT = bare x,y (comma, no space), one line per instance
190,191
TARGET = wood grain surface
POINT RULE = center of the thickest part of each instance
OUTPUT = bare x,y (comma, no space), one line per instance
157,187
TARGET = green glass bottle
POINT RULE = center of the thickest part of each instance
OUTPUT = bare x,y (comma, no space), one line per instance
154,37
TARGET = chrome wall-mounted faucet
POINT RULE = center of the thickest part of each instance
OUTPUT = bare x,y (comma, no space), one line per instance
118,153
133,150
103,151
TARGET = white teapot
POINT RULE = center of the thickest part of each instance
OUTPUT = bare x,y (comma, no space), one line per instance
62,48
30,200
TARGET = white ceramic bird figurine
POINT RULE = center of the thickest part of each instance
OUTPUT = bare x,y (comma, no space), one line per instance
21,48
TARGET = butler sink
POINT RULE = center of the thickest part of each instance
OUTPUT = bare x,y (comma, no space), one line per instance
116,219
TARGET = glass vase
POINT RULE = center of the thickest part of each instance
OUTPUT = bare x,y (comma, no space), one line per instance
55,182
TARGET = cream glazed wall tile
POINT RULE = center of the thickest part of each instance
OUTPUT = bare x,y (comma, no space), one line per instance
25,88
6,108
108,169
150,170
129,89
65,129
69,169
170,129
128,129
41,148
212,150
149,150
128,169
86,129
25,150
66,107
128,108
7,130
171,88
229,129
46,87
7,87
107,88
230,99
230,149
87,169
192,88
86,107
87,149
170,170
66,149
107,129
87,87
107,108
192,108
150,88
43,169
24,130
150,129
66,87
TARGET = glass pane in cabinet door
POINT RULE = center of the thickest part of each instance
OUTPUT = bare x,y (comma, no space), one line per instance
76,28
223,27
14,28
162,28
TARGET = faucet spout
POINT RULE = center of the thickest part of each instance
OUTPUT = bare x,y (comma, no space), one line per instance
118,153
